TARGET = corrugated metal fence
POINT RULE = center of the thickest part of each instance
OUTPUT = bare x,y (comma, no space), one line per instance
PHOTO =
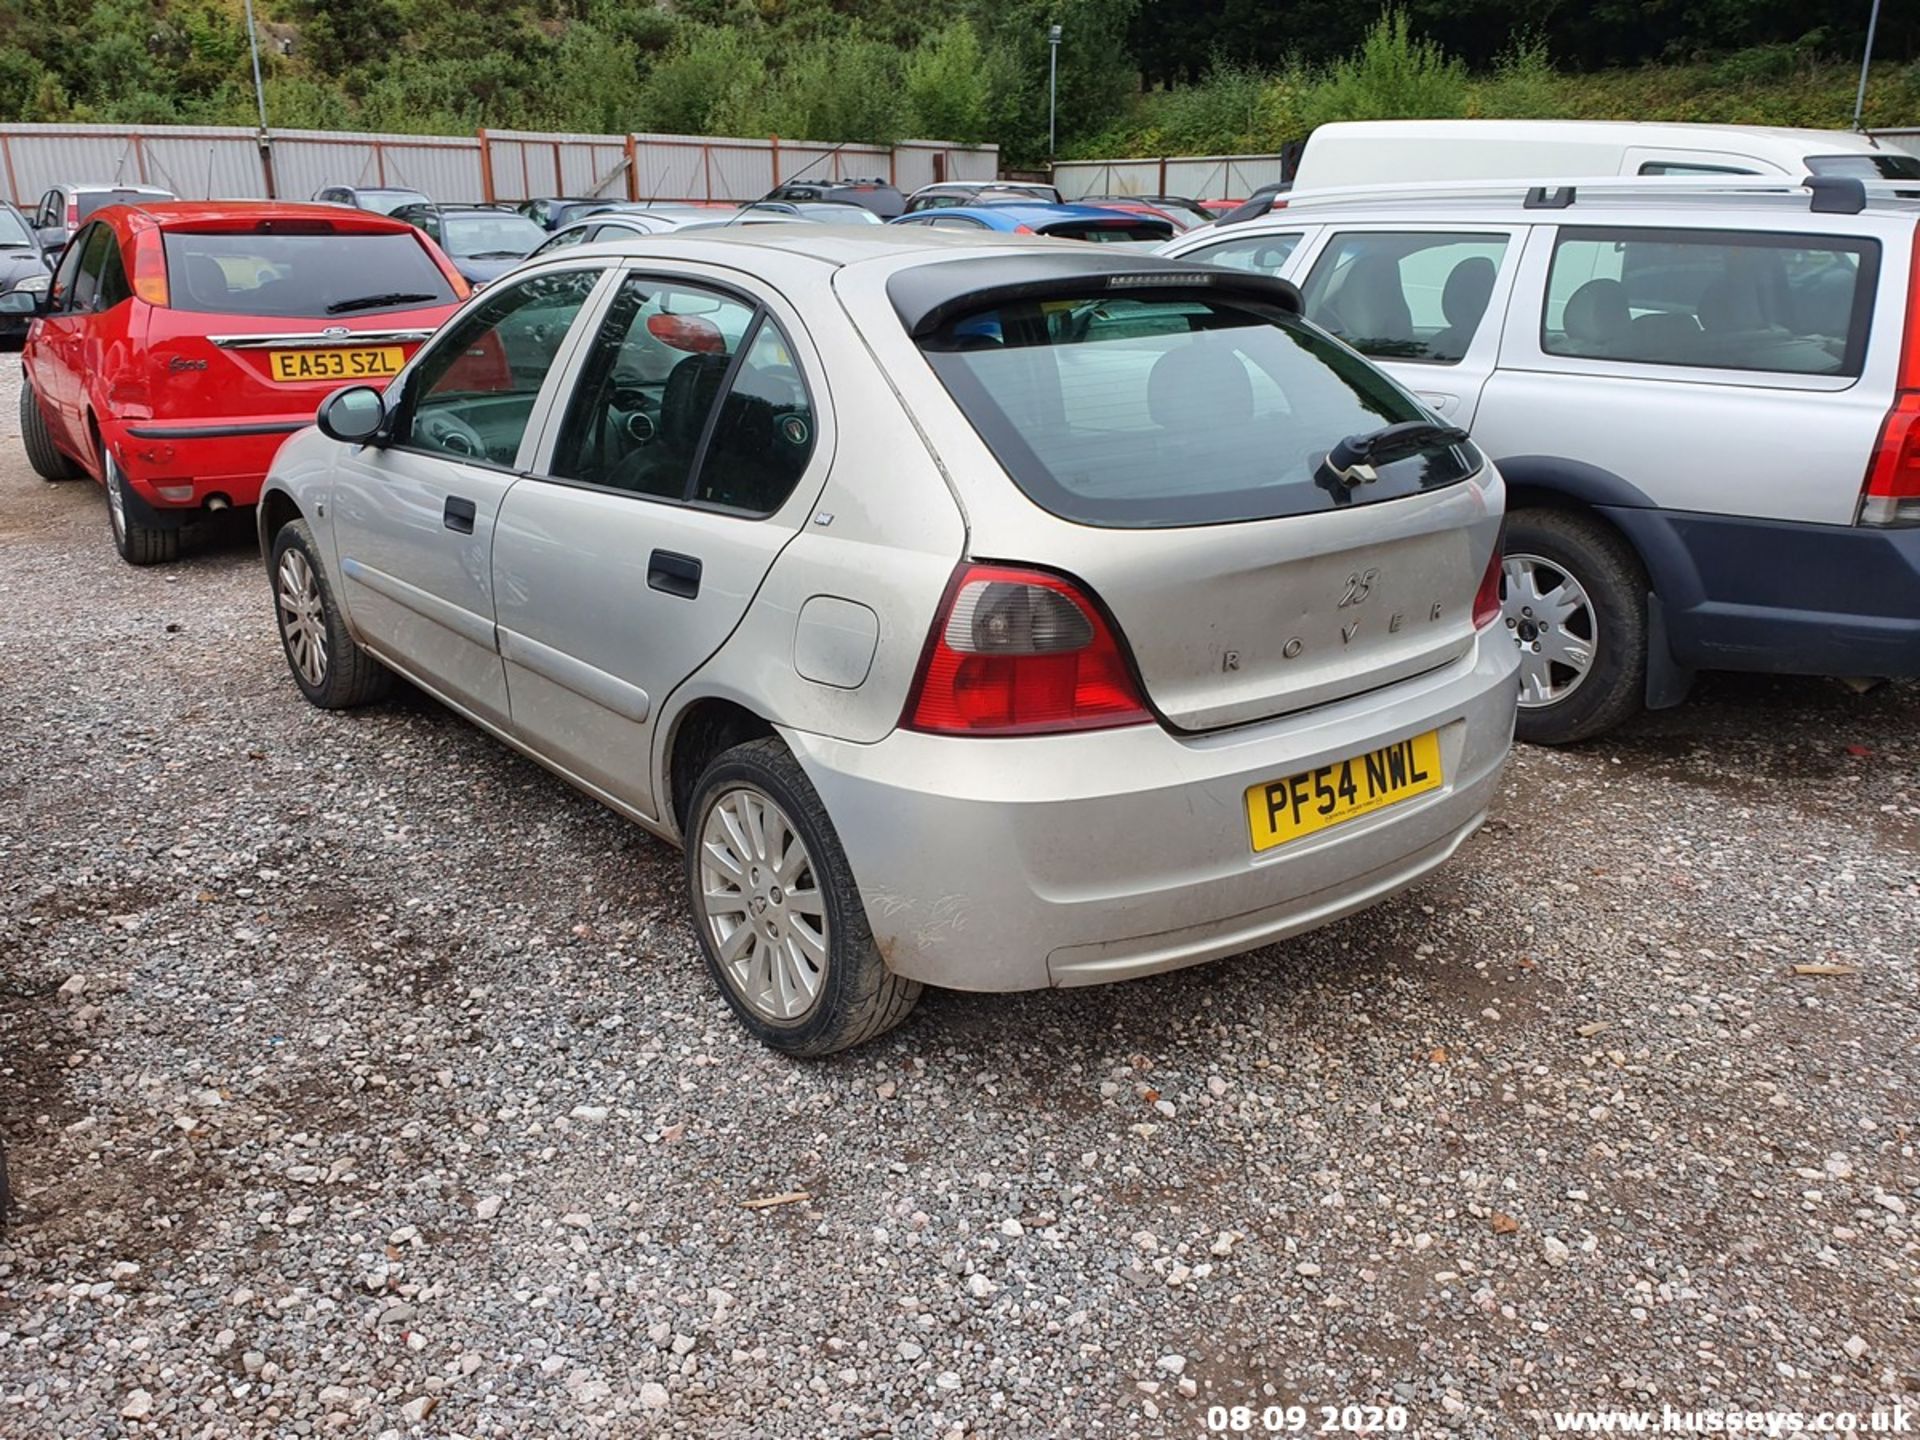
213,162
1202,177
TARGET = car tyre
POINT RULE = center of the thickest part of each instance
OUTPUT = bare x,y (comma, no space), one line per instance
780,920
1571,586
49,461
138,543
328,665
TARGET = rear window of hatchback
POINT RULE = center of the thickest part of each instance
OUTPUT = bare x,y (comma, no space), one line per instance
1160,411
302,275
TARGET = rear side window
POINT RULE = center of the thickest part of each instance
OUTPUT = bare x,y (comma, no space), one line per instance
1166,411
1883,166
1261,254
1690,167
309,275
1405,296
1721,300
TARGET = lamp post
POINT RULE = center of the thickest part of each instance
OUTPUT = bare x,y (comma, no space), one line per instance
1860,97
1053,81
260,97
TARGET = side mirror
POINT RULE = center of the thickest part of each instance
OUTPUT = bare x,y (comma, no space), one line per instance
23,302
353,416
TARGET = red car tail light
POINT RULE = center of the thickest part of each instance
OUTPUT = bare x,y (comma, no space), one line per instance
1021,652
1891,494
150,267
1486,600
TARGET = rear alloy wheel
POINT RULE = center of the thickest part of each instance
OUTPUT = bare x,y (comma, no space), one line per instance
1573,598
49,461
138,544
330,668
780,920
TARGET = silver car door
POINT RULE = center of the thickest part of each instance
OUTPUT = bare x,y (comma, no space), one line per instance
1425,303
413,516
684,461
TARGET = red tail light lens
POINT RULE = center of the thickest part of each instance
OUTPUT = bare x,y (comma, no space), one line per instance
1021,652
1892,494
1486,600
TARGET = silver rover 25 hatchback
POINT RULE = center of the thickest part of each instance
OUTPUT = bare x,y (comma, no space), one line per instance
977,614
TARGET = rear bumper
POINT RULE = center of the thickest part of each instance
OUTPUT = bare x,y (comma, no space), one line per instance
1078,859
1783,597
179,466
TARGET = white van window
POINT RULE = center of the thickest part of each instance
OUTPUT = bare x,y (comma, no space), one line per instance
1262,254
1688,167
1404,296
1790,304
1883,166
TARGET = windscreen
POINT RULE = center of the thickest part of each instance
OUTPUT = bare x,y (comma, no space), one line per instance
13,234
1866,167
498,235
310,276
1133,412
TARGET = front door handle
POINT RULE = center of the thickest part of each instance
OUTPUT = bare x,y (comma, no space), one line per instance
458,515
673,574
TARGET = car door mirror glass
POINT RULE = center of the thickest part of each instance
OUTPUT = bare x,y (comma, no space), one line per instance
22,302
353,416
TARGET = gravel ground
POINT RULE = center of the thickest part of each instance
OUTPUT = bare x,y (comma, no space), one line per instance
361,1079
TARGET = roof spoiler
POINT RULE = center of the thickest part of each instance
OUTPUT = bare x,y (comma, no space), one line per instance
928,296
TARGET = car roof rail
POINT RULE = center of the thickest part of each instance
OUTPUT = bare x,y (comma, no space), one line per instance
1823,194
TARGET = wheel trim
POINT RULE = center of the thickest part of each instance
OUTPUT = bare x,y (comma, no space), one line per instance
302,617
761,903
1552,620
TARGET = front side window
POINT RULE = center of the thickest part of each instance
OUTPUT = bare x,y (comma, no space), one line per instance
1170,411
648,417
1261,254
320,273
1405,296
1722,300
472,394
65,277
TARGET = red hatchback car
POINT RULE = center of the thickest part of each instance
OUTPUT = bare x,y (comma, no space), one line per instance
178,344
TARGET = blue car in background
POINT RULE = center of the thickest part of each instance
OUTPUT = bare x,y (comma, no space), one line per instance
1069,222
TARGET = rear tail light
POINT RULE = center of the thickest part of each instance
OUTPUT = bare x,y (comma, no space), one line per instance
150,267
1025,230
1486,600
1021,652
73,216
1891,495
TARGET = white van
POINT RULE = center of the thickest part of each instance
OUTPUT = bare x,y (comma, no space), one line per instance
1392,152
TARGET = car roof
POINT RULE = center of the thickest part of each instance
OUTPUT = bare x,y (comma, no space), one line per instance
165,213
110,186
1633,132
1022,212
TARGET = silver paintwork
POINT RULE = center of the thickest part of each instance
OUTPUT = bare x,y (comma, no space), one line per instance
985,864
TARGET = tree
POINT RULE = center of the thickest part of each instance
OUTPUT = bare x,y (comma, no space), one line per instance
948,87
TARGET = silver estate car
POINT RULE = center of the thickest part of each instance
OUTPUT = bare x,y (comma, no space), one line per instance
978,614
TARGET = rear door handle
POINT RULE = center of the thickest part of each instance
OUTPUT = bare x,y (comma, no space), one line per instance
674,574
458,515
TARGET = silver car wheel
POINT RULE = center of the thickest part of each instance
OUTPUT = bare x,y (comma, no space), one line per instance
764,911
1551,618
302,618
116,497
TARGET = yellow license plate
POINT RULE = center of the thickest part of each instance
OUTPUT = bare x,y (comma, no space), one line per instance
292,367
1286,809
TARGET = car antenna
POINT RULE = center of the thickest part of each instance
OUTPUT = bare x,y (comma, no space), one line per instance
788,181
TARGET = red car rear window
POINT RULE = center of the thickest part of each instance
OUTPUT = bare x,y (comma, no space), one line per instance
302,276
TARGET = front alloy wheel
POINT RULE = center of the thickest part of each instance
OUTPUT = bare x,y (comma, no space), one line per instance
302,618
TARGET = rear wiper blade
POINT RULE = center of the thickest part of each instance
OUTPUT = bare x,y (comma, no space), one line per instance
367,302
1355,459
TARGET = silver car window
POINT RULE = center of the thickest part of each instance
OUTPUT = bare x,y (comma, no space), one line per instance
471,396
1405,296
1721,300
1261,254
